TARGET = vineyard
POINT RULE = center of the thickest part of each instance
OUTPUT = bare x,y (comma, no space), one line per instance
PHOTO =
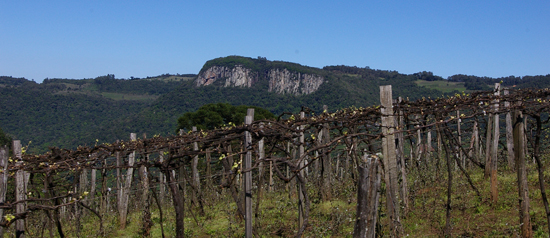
389,164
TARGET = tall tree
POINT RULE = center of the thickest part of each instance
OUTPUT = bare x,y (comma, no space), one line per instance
215,115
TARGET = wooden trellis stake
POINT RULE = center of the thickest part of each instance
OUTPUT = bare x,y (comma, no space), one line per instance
302,174
248,176
390,160
509,134
494,148
519,145
125,193
194,170
4,153
368,194
21,180
326,173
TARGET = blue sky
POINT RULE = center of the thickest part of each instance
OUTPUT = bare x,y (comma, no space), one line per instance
86,39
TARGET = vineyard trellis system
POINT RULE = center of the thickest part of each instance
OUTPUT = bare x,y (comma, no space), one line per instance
371,144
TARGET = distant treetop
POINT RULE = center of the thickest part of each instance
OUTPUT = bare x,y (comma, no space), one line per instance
215,115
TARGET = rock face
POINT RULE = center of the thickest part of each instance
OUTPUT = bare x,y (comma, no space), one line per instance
236,77
280,80
284,81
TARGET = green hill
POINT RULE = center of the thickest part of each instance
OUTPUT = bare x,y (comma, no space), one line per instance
70,112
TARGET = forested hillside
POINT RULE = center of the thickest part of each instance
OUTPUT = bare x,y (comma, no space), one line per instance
68,112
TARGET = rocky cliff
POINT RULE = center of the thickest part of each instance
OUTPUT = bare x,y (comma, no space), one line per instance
280,80
283,81
236,77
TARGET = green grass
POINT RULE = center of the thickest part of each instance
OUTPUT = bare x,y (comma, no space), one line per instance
278,217
443,86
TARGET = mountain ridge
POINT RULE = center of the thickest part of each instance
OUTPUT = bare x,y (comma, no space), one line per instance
68,112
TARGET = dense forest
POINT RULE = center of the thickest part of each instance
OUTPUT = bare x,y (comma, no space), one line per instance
69,112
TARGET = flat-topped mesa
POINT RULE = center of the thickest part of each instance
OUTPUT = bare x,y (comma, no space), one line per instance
281,81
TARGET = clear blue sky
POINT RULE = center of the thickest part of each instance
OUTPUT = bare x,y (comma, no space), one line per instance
86,39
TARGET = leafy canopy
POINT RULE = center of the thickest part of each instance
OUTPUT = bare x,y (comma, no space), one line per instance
215,115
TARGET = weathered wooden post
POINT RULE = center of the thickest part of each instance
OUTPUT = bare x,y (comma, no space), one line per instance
248,175
196,178
400,121
326,173
261,158
145,201
523,190
494,147
104,197
301,166
181,178
125,193
4,154
118,182
368,194
459,133
509,133
162,180
488,145
271,176
474,142
93,186
439,151
390,162
21,179
418,150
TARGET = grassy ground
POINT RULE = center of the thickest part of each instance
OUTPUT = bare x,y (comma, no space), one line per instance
471,216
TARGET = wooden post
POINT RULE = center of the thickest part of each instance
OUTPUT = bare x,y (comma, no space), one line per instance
300,166
4,154
83,187
400,121
181,180
494,148
326,163
145,204
418,154
123,210
196,179
368,194
177,201
390,162
162,178
93,187
459,133
104,196
248,176
519,145
261,157
119,183
488,145
509,133
474,142
20,190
